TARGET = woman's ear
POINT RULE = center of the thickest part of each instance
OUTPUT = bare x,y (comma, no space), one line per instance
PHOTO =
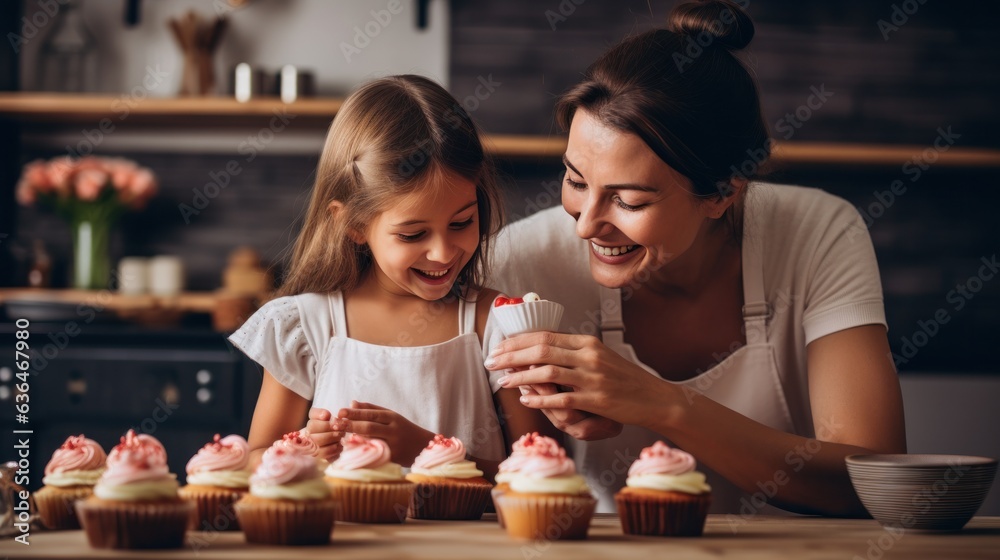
335,207
716,207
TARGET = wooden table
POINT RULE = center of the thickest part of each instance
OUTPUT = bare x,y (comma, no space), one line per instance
760,538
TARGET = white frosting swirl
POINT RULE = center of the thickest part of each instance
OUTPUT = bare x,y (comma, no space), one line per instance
165,487
312,489
389,472
689,483
504,477
571,484
225,479
461,469
73,478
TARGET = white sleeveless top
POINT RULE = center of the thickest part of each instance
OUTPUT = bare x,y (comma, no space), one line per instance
303,342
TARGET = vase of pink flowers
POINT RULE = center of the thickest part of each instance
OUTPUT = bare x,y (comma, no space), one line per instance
91,193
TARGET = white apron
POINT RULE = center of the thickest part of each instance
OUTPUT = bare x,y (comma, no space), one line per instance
442,387
746,381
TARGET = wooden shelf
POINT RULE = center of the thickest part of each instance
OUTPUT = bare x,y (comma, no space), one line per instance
51,109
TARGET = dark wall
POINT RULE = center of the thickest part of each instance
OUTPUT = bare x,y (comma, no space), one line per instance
937,69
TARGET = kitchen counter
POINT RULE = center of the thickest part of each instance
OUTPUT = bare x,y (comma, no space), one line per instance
760,537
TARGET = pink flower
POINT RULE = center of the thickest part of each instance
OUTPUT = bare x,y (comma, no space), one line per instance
142,186
90,183
61,170
122,172
25,193
37,177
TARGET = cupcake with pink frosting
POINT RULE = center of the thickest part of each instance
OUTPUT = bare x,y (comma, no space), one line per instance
300,442
521,451
664,495
370,487
547,499
70,476
217,477
449,485
135,502
288,502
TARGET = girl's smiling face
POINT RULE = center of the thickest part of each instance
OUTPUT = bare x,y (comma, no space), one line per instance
637,212
422,242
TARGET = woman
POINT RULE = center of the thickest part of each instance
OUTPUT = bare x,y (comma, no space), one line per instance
741,321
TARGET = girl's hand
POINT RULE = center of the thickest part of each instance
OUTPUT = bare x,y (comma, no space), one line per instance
326,432
592,377
406,440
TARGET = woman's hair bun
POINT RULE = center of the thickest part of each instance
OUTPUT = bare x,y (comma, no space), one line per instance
725,20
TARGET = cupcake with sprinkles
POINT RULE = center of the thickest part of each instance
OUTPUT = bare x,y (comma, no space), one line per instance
449,485
288,502
370,487
664,495
135,502
70,476
217,477
521,451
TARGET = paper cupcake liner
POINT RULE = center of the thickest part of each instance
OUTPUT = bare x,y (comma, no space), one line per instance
495,493
529,317
57,505
546,517
449,499
130,525
674,514
214,507
372,502
286,522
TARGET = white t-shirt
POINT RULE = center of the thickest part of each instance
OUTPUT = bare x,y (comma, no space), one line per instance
820,274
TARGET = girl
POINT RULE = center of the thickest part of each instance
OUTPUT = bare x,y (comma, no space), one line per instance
387,269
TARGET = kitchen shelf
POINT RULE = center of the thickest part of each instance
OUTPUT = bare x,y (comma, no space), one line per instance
51,109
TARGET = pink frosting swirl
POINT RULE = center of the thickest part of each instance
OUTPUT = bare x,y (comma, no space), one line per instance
230,453
137,458
661,459
77,453
361,453
440,451
525,447
300,442
281,465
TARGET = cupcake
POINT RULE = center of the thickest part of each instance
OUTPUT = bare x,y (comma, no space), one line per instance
512,465
664,495
70,476
217,477
288,503
526,314
301,443
370,488
135,502
547,500
449,486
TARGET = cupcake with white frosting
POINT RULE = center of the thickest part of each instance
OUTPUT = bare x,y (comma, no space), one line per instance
217,477
664,495
370,487
288,502
521,451
70,476
449,485
135,502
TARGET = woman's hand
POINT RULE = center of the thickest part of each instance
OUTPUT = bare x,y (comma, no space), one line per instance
406,440
580,425
326,432
599,380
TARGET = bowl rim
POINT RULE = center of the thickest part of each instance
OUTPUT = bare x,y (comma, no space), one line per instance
918,460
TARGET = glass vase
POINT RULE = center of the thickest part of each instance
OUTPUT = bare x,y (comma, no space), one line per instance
91,261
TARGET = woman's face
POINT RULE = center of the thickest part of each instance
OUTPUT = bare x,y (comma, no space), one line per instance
638,213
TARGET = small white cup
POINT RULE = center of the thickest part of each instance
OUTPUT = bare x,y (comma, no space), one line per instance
133,276
166,275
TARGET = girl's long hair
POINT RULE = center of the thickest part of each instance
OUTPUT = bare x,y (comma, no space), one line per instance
389,138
